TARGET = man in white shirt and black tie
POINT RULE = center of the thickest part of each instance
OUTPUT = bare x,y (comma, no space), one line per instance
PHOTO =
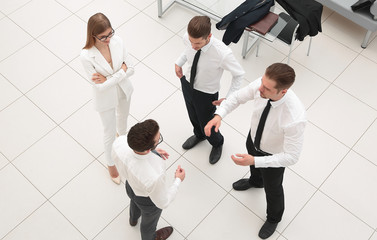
207,58
144,167
283,116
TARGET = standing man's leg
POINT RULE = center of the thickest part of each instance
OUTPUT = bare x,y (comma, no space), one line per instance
205,111
135,211
273,186
198,134
255,180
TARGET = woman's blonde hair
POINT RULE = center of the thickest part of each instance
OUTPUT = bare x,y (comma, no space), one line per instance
98,23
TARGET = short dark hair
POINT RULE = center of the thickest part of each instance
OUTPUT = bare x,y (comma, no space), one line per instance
141,136
282,74
199,27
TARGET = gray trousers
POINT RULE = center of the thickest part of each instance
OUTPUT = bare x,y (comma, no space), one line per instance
150,214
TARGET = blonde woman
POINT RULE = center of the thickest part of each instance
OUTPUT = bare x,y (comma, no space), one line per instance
109,68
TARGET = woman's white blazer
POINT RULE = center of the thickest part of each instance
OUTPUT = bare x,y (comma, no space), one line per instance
105,94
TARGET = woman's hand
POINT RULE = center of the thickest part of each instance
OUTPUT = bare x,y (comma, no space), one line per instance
98,78
124,67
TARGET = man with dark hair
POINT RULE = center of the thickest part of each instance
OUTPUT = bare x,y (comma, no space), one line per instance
144,167
207,58
281,114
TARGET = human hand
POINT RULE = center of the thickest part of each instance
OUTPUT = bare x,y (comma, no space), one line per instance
124,67
216,121
180,173
218,102
98,78
178,71
243,159
162,153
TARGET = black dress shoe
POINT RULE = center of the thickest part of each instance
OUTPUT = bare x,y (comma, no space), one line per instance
191,142
215,154
244,184
133,223
267,230
164,233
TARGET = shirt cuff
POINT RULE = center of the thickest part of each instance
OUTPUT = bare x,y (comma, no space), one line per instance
258,162
177,181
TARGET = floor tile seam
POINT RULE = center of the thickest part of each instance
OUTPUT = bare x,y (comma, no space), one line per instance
239,132
12,102
64,64
354,96
157,73
70,180
48,115
66,218
125,22
41,34
330,135
6,164
172,225
271,44
310,70
154,109
78,73
249,209
75,13
148,5
74,139
365,158
301,177
152,52
210,211
200,170
146,14
23,220
343,45
18,8
59,3
347,210
35,142
21,47
27,179
19,170
368,58
300,210
108,224
333,12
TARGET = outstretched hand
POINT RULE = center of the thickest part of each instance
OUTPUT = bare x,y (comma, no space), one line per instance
216,122
180,173
243,159
218,102
162,153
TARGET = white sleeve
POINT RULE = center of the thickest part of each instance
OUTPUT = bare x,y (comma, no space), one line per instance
162,194
240,96
231,64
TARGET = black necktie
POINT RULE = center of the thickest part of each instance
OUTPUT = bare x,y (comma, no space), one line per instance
262,121
193,68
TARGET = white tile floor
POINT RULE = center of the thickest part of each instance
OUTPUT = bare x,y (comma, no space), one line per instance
53,180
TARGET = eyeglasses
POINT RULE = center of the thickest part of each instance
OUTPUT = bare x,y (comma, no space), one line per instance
160,139
102,39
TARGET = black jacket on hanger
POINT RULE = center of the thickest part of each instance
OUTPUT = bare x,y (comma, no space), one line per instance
249,12
307,13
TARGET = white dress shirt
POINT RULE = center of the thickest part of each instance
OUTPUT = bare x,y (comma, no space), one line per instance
214,59
283,132
146,174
